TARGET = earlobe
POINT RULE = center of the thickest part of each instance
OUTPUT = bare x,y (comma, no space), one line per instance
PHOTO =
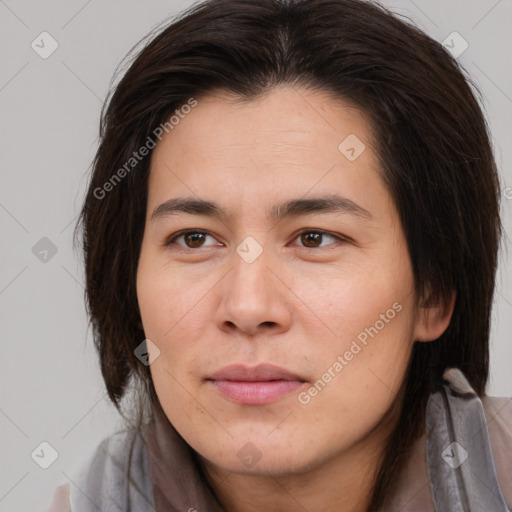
433,319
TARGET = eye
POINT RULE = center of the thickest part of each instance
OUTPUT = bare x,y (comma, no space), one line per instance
313,238
193,239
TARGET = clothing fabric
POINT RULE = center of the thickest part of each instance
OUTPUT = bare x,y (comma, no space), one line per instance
459,455
462,463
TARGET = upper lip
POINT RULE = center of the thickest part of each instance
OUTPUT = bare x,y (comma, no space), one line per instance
259,373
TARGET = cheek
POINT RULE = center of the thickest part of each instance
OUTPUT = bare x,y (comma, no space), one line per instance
168,302
358,382
348,301
370,316
173,317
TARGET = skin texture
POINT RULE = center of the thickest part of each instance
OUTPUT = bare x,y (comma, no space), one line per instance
299,305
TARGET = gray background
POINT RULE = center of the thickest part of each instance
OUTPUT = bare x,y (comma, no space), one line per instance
50,385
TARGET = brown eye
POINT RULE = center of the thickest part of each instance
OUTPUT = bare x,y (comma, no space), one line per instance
313,239
192,239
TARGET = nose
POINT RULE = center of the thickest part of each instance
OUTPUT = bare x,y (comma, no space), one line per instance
255,298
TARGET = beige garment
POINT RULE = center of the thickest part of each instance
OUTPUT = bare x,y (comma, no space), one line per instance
414,492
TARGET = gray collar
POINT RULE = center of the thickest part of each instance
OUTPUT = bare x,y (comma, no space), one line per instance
460,462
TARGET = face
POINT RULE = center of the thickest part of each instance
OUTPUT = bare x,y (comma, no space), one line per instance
296,271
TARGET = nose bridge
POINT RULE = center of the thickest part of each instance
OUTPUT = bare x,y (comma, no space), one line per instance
251,295
251,275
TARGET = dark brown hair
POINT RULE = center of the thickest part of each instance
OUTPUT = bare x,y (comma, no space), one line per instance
432,141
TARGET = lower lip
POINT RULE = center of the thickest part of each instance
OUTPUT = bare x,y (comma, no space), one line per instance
255,393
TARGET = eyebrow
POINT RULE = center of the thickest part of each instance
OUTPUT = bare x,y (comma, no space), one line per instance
290,208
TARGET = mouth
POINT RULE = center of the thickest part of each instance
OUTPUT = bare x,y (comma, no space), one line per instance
258,385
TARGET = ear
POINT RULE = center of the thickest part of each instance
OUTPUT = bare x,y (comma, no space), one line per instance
433,318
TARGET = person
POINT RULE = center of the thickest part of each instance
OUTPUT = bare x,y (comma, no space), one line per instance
290,235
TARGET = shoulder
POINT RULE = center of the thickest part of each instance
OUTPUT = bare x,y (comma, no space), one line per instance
498,415
499,409
116,472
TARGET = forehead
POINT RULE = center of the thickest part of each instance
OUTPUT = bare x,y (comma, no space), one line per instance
287,141
281,116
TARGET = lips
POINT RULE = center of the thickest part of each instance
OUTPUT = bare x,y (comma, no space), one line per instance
259,385
260,373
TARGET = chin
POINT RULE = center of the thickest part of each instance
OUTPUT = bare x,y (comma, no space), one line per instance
258,456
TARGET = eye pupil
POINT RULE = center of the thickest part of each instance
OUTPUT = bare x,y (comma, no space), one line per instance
307,238
196,238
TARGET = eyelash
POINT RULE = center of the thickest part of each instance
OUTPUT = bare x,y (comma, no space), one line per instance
171,240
